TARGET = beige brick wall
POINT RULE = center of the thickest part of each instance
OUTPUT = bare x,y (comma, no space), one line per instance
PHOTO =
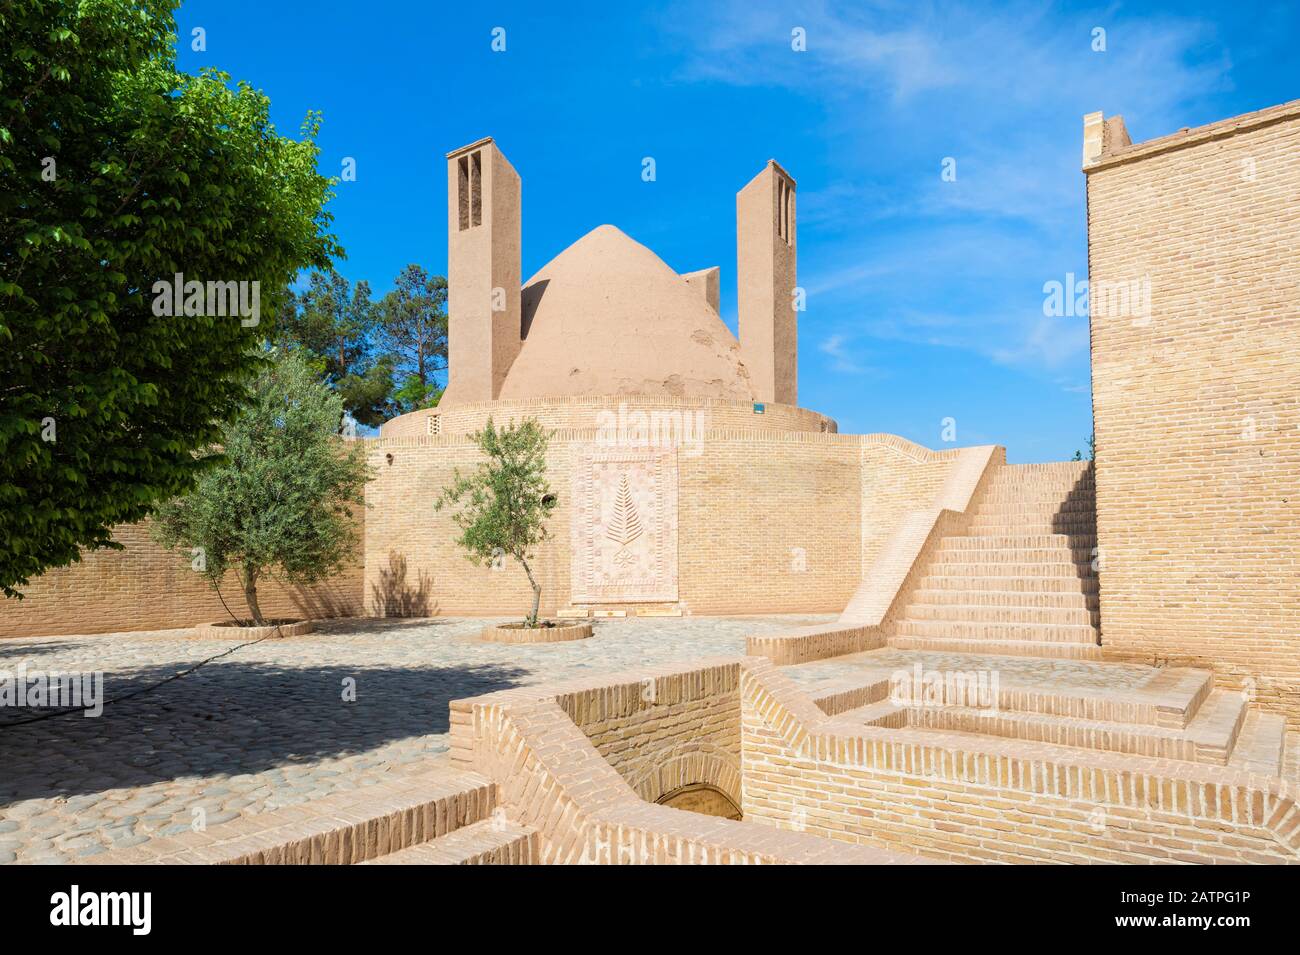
145,587
551,777
583,412
662,734
768,522
897,477
966,799
414,566
1197,407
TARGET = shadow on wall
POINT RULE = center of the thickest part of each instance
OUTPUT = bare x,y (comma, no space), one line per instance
321,601
1077,520
393,596
528,302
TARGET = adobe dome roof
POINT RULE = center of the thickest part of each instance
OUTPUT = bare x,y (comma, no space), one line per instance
607,316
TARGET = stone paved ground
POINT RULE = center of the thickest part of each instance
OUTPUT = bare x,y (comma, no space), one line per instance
1012,671
267,726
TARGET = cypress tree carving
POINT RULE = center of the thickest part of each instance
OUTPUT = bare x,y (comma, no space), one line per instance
625,524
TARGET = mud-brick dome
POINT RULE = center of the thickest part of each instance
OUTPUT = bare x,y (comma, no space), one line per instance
608,317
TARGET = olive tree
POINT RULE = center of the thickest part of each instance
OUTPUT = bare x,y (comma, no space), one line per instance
503,506
279,497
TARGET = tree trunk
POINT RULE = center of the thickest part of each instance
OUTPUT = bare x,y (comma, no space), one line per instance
250,595
537,594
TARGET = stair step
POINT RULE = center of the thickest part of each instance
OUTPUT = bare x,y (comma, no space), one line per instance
999,541
1062,482
1000,486
997,490
972,613
1007,648
1046,469
1261,744
983,524
1013,555
1207,743
1178,692
882,713
1011,506
967,581
495,841
975,631
1063,491
1042,568
1216,725
1019,599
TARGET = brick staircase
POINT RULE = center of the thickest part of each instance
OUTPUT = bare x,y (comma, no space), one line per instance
472,830
1176,714
1020,581
441,817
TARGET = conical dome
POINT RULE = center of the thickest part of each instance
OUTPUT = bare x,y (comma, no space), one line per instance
607,316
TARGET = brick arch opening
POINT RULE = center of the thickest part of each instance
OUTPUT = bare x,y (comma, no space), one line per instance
698,778
703,799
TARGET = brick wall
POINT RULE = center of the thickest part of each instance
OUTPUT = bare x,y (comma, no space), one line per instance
768,522
897,477
1197,403
414,566
145,587
965,799
823,788
665,733
582,412
551,777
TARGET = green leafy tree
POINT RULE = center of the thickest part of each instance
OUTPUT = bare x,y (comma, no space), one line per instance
415,334
118,171
1092,449
503,506
279,499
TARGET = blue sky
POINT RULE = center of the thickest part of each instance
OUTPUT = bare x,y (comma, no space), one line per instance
924,296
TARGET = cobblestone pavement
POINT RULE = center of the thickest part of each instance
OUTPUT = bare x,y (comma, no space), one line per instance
267,725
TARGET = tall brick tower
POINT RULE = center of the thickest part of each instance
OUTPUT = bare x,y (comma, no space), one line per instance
765,277
483,271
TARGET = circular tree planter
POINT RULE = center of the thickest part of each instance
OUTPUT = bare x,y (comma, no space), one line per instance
554,633
245,630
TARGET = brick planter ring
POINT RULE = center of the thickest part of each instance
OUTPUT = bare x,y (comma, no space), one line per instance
517,634
228,629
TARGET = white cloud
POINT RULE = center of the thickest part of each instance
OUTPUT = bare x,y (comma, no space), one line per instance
841,359
1002,89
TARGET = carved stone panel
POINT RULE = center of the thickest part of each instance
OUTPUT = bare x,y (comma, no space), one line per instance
624,530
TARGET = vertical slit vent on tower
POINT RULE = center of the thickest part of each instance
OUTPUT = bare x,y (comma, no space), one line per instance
781,224
783,209
476,188
788,213
462,183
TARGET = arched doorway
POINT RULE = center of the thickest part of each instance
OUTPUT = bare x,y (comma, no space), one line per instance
701,798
